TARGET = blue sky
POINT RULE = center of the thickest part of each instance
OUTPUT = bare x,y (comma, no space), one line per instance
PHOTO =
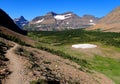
32,8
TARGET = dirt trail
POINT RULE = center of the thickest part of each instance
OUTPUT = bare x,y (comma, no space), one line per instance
16,66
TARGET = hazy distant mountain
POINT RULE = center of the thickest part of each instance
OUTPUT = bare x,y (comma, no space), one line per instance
110,22
7,22
21,21
53,21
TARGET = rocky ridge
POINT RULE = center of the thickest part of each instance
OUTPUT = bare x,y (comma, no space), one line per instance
53,21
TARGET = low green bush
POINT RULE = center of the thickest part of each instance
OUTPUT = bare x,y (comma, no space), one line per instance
82,62
39,81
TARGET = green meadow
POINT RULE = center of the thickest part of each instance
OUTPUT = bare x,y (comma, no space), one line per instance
104,59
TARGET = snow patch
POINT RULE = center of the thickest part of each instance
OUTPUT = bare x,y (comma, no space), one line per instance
62,17
67,23
91,23
23,24
39,21
91,20
84,46
38,26
17,20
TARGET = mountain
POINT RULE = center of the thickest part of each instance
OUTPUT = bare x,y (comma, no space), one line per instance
21,21
53,21
7,22
110,23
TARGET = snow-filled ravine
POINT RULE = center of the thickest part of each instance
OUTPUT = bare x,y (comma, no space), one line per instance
84,46
62,17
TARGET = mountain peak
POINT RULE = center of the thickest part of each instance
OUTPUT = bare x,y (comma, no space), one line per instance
22,17
51,13
21,21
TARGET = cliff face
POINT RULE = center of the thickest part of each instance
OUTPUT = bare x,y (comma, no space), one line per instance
7,22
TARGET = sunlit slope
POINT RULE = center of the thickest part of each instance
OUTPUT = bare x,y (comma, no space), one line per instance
109,23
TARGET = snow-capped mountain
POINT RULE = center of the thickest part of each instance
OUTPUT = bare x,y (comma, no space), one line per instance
53,21
21,21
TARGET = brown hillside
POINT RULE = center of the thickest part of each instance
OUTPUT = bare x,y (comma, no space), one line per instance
17,35
110,22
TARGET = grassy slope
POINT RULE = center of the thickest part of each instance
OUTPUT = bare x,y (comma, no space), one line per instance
16,37
108,66
107,61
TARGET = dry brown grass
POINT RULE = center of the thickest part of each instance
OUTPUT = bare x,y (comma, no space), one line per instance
65,69
17,35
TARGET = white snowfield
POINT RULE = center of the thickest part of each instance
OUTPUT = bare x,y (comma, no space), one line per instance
39,21
84,46
62,17
91,23
17,20
23,24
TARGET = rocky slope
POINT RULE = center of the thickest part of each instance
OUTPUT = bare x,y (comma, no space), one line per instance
110,22
53,21
21,21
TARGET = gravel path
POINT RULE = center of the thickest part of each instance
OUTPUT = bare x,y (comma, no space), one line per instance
16,66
